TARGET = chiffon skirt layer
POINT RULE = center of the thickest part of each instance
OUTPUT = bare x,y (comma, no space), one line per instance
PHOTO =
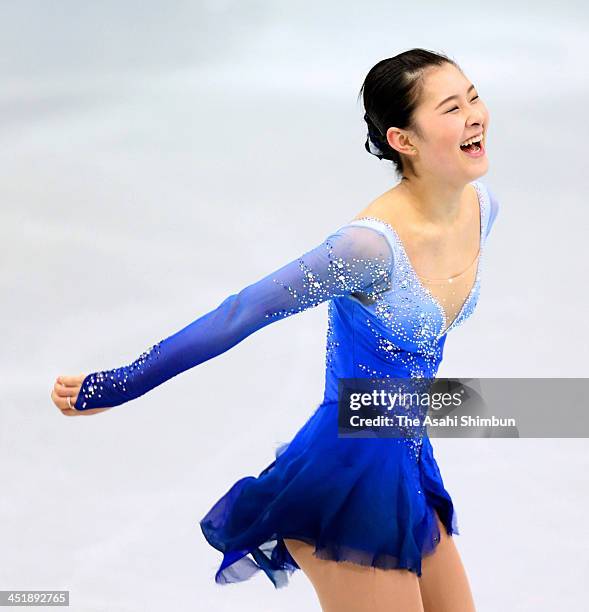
364,500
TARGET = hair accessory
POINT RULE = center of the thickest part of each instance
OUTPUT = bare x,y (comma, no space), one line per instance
372,138
372,148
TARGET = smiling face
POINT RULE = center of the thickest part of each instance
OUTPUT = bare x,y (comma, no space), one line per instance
449,112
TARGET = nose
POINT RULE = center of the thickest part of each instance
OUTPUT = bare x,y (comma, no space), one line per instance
478,117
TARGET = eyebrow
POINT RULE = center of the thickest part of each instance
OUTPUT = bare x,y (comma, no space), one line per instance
452,97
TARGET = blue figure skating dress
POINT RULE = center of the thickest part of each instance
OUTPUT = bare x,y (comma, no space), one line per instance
367,500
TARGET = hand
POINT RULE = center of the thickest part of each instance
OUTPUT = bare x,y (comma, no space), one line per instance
69,386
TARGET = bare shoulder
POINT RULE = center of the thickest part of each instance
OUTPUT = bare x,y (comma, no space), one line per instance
382,206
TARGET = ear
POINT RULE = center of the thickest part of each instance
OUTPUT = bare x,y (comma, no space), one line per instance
400,141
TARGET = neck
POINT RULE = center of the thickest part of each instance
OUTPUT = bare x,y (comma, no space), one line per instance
435,202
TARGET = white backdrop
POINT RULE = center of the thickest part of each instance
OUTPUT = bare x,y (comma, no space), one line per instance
157,157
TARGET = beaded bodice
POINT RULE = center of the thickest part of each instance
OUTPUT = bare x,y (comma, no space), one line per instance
401,330
448,294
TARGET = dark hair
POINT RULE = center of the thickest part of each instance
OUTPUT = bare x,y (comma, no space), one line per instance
392,90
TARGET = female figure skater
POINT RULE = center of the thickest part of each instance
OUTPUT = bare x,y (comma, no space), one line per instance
368,520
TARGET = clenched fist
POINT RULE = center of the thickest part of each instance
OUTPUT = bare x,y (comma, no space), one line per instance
69,386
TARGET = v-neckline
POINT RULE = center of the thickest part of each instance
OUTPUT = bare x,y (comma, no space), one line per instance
445,328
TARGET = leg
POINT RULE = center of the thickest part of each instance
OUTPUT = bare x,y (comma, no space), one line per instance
342,586
443,582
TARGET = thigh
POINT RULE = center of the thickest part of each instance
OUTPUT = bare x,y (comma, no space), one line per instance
443,582
342,586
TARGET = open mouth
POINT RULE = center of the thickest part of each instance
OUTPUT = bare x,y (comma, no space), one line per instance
476,146
473,150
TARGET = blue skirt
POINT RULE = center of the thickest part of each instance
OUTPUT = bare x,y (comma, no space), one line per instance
371,501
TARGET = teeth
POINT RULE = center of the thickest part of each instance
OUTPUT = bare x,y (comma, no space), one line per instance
472,140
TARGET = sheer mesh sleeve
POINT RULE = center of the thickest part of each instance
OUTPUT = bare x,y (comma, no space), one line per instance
353,259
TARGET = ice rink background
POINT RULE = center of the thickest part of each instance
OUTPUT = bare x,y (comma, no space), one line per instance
157,157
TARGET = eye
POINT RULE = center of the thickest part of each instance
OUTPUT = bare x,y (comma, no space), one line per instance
456,108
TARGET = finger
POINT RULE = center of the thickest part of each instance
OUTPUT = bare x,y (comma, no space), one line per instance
62,405
68,412
63,391
71,381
